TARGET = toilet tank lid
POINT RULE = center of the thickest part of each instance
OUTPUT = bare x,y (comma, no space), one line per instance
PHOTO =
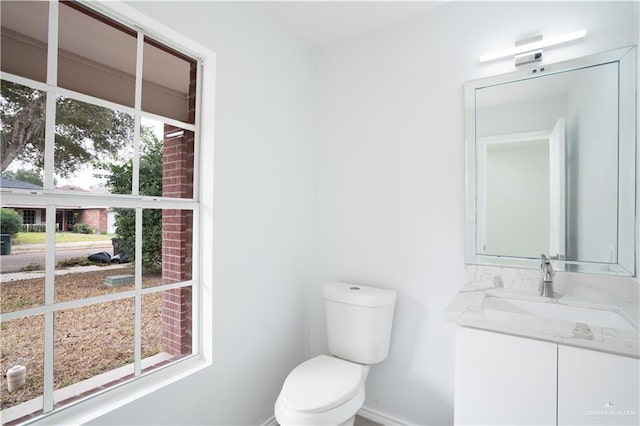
355,294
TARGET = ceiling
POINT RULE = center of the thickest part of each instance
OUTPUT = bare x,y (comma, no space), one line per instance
324,22
318,22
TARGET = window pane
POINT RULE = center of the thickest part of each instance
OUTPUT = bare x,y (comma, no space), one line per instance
91,259
93,148
95,55
152,328
177,321
166,327
151,168
166,162
22,281
152,243
24,38
23,260
94,341
167,246
22,344
22,113
168,82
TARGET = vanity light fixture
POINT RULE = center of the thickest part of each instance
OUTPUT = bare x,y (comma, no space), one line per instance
530,50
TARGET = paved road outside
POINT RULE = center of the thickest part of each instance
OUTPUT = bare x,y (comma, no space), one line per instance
22,256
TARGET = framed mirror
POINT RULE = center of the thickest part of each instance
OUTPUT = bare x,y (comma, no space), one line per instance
551,166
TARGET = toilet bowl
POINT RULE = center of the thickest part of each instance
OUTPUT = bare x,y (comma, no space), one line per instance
329,390
322,391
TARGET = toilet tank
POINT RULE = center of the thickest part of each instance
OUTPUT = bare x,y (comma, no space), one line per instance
359,320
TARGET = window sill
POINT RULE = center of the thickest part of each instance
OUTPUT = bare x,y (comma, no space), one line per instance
91,407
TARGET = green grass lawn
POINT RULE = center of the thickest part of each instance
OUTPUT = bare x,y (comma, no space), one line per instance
61,237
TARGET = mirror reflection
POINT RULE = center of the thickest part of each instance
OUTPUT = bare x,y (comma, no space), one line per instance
542,157
551,165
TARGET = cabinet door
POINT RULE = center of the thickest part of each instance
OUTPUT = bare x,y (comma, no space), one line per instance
595,388
504,380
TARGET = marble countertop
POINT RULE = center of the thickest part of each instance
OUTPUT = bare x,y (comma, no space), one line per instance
466,309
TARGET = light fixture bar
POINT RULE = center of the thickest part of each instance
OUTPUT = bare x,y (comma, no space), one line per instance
537,45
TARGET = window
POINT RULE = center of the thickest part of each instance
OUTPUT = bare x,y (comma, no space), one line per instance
117,144
69,221
28,217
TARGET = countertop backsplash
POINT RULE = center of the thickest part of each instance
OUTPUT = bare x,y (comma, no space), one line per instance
527,281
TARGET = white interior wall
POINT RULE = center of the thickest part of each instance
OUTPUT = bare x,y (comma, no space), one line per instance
262,212
390,171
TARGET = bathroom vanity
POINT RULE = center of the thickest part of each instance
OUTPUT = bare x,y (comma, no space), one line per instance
524,359
511,380
550,168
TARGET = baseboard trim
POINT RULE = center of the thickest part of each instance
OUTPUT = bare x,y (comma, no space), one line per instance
366,412
381,418
271,421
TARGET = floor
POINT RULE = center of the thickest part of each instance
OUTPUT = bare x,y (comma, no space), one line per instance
361,421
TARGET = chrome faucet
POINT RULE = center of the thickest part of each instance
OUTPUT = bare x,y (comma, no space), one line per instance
546,284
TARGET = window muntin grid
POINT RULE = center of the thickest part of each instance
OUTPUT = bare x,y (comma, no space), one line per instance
51,198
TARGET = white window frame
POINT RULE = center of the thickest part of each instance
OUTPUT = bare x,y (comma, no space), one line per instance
105,401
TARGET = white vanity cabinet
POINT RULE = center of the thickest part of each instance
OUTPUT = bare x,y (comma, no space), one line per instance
596,388
502,379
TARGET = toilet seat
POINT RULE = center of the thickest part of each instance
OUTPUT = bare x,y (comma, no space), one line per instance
321,384
342,415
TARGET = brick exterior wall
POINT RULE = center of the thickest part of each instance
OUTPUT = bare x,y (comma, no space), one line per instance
96,218
177,232
177,238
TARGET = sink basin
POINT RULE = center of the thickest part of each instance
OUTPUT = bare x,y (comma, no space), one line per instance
557,311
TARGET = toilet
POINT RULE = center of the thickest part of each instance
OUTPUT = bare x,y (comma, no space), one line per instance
330,389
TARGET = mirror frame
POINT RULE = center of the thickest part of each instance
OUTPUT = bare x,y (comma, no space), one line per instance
627,152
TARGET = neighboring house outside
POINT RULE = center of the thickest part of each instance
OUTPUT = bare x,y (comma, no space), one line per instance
96,217
99,218
31,215
6,182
